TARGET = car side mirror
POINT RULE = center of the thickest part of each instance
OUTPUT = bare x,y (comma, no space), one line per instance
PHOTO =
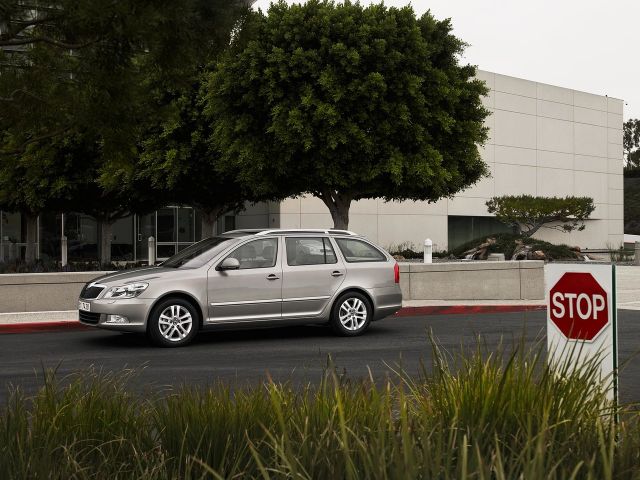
229,263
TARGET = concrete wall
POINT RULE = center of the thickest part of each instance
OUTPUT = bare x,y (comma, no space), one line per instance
36,292
544,140
523,280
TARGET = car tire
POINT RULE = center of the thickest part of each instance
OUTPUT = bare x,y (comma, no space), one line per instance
351,314
173,322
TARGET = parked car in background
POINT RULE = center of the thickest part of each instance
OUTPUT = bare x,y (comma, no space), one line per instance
254,278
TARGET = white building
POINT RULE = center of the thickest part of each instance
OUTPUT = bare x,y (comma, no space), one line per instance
544,140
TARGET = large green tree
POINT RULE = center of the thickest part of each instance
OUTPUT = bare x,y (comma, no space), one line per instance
101,69
346,102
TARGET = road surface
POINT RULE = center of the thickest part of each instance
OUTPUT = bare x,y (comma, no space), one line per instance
296,354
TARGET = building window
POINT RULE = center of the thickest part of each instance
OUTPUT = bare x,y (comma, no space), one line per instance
464,229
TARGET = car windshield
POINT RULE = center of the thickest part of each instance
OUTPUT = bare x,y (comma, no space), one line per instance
194,255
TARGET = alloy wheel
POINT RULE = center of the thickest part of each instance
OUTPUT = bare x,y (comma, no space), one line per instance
175,323
353,314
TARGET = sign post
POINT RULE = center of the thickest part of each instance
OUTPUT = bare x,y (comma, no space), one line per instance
582,317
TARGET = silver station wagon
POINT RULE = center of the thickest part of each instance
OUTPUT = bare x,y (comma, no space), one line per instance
251,278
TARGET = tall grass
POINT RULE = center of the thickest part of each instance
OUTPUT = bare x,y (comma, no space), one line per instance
479,414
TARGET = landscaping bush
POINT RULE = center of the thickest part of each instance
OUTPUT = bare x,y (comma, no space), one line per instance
481,415
506,243
42,266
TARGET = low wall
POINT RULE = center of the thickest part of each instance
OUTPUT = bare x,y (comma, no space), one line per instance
523,280
511,280
37,292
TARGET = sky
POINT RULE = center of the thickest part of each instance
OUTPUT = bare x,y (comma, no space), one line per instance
587,45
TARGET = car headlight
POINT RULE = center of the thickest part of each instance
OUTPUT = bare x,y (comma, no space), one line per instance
127,291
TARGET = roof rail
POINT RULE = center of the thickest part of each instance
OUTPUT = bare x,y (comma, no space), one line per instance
327,231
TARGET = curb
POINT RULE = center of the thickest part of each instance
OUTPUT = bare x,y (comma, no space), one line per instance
66,325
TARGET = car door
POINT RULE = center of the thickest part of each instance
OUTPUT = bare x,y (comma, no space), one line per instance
311,274
254,290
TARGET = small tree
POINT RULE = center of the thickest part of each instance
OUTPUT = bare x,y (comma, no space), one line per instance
527,214
346,102
631,143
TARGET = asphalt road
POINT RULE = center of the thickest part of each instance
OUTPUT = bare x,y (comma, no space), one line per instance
296,354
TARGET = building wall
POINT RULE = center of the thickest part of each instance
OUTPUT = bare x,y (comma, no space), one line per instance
544,140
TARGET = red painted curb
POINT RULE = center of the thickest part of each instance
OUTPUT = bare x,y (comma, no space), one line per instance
41,327
465,309
403,312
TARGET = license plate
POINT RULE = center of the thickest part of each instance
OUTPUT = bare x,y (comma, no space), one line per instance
84,306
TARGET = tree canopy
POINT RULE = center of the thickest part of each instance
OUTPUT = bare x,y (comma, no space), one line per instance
527,214
80,85
631,142
346,102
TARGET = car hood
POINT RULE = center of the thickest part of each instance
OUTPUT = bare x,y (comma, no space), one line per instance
129,276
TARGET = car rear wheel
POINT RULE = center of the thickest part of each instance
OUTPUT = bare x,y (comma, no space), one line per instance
351,314
173,323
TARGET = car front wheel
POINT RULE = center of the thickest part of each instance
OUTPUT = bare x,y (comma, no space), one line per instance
173,323
351,314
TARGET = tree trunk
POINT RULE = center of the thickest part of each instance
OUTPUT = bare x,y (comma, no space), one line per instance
209,219
106,229
31,252
338,205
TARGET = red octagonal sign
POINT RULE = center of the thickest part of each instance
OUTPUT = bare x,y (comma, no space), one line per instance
578,306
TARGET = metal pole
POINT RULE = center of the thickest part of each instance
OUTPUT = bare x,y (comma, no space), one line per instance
152,251
636,258
428,251
63,251
63,244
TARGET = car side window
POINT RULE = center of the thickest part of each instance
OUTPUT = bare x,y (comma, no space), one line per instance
309,251
355,251
257,253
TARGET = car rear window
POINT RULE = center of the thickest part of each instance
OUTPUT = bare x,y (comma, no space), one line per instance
355,251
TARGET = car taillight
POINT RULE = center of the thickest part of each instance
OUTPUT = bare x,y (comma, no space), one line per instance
396,272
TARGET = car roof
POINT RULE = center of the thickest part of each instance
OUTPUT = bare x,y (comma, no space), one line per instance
287,231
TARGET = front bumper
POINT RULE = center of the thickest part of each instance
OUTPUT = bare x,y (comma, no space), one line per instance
135,309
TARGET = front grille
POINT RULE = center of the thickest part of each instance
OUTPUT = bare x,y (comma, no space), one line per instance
90,292
89,317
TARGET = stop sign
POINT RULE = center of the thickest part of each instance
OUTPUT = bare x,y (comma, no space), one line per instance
578,306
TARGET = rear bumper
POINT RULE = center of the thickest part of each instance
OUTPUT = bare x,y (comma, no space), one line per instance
387,300
136,310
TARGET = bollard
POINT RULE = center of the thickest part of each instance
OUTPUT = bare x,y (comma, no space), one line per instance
636,258
428,251
152,251
63,251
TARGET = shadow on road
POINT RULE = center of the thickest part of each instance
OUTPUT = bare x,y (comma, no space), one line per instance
229,336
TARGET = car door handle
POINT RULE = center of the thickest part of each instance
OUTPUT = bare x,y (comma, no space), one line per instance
336,273
272,276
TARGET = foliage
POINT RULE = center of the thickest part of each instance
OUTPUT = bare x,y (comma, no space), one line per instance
631,142
532,213
478,415
89,63
506,243
42,266
632,205
177,158
347,102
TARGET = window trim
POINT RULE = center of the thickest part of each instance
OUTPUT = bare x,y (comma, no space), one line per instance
325,241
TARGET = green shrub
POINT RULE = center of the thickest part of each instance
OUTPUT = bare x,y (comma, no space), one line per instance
480,414
506,243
